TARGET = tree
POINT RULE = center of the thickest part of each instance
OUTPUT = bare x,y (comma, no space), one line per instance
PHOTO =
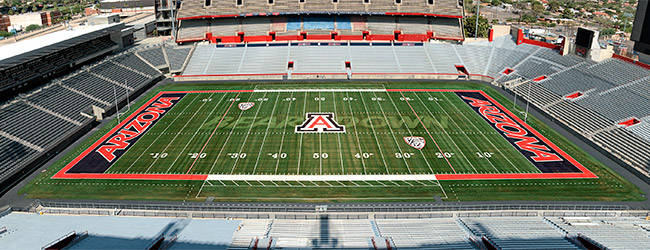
32,27
470,26
538,7
607,32
554,5
528,18
496,3
6,34
567,13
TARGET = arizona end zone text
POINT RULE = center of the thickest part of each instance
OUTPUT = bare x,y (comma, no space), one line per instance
551,161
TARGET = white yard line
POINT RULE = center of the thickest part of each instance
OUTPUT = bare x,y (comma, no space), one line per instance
176,136
446,133
266,133
284,131
453,121
247,134
409,130
197,130
229,135
304,109
393,134
490,141
323,178
356,133
374,134
154,141
200,189
339,136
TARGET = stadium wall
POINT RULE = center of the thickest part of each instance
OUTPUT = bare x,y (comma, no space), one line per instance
334,211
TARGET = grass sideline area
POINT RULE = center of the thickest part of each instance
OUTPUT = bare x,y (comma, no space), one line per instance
608,187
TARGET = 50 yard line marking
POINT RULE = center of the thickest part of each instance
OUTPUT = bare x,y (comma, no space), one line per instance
277,97
304,109
320,140
211,134
339,136
426,129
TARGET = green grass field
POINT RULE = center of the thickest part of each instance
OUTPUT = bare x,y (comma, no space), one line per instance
206,133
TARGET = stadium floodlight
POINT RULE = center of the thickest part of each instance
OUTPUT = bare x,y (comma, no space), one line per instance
478,4
116,110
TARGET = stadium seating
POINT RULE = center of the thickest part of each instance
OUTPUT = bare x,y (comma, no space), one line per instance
33,123
154,56
64,101
193,29
626,146
424,233
509,234
579,118
261,28
616,71
13,155
348,234
52,63
177,57
195,8
614,233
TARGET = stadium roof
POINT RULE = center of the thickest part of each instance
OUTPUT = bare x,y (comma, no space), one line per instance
26,50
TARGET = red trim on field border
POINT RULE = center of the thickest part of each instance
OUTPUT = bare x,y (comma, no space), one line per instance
61,174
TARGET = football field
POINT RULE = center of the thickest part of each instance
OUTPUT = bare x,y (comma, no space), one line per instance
367,134
325,142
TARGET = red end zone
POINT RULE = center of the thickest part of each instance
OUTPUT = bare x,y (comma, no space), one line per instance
66,173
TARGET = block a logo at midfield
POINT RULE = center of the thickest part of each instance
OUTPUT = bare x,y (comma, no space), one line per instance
320,123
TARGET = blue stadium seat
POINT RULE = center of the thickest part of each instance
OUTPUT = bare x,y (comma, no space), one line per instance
343,23
293,23
318,23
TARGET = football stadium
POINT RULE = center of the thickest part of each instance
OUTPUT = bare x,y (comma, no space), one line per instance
318,124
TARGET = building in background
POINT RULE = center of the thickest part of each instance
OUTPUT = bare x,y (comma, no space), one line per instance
165,10
45,18
119,6
4,22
